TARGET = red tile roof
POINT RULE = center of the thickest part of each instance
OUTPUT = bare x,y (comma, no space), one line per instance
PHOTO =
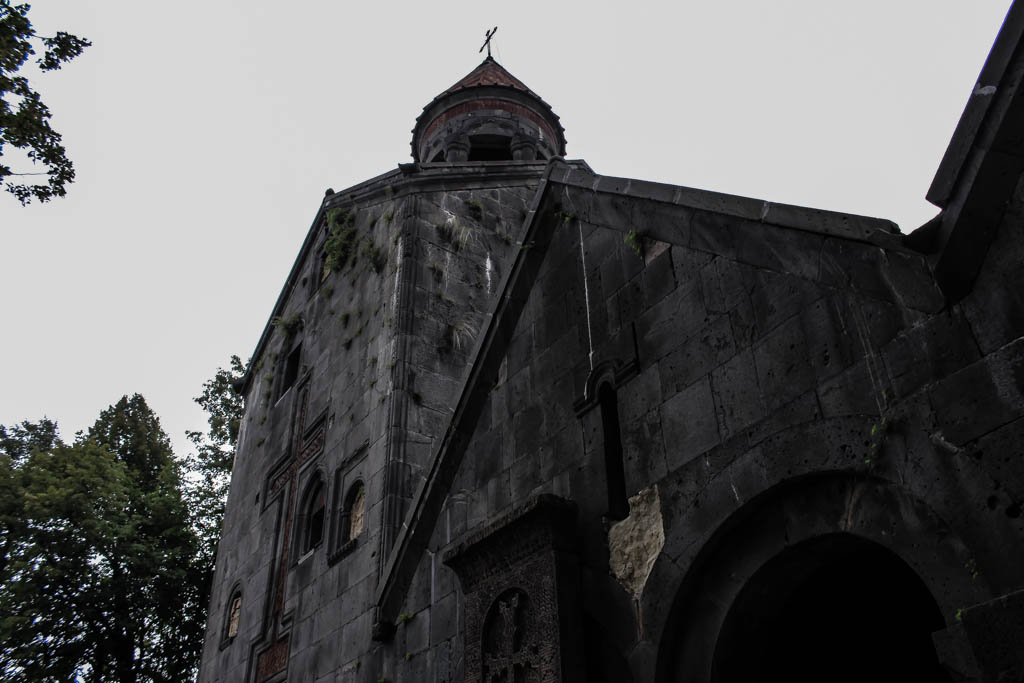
488,73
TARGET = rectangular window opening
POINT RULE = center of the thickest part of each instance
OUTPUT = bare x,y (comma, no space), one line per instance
291,370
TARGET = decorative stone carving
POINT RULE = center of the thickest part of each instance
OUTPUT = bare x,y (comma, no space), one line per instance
456,148
510,650
524,148
519,578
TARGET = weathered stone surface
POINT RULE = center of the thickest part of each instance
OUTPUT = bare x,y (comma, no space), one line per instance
634,543
689,425
770,381
996,630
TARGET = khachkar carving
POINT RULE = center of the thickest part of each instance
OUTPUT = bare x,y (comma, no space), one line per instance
510,653
519,577
308,442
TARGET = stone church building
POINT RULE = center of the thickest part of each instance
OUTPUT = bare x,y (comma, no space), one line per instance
513,420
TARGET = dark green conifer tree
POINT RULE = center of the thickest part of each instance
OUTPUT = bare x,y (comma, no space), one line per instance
101,573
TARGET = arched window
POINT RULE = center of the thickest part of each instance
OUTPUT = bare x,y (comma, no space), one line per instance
618,502
232,616
348,513
353,517
311,521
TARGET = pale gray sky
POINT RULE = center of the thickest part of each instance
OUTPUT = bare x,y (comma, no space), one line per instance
205,133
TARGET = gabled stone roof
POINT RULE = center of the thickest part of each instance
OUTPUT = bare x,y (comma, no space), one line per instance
835,249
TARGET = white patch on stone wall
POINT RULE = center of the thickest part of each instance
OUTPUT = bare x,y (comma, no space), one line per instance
488,271
392,348
398,275
939,439
433,576
634,543
873,362
852,505
980,89
586,297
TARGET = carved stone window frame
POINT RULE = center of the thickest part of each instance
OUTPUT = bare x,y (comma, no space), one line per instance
315,486
235,594
347,478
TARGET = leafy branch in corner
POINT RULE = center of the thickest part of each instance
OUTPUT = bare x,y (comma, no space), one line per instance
24,118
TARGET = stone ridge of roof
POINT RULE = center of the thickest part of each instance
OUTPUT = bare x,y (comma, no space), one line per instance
994,80
878,231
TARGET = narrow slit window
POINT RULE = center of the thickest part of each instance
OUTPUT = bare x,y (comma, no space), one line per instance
316,522
313,522
618,503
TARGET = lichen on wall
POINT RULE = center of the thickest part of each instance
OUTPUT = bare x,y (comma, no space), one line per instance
634,543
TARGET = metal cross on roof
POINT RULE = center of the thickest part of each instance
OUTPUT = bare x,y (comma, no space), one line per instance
487,43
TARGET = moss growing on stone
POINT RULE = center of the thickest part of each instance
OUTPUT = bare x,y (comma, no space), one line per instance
634,241
341,241
289,325
475,210
374,255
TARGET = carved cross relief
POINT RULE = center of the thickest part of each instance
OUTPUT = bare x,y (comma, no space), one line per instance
305,447
509,656
519,578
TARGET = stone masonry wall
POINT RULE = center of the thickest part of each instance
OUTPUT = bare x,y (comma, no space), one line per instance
793,350
745,354
383,346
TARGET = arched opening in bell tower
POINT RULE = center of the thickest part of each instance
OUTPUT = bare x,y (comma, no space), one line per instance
490,148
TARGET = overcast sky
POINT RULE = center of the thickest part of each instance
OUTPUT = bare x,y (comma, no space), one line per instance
204,135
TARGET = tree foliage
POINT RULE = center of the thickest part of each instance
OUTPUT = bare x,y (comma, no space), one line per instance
61,532
158,618
210,468
100,579
107,544
18,442
24,118
215,450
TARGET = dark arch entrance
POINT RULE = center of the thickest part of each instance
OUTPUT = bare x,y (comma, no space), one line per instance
833,608
829,552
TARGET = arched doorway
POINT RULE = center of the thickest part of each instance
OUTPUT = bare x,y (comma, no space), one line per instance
836,608
833,570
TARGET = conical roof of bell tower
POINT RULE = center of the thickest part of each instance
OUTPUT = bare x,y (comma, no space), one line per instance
488,73
488,115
